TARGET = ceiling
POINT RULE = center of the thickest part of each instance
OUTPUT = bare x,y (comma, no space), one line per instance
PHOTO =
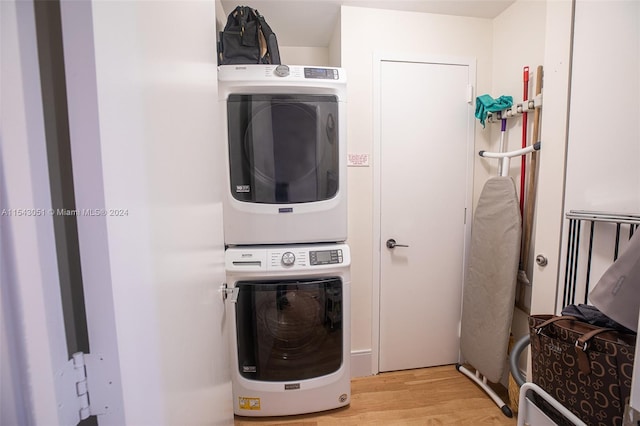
310,23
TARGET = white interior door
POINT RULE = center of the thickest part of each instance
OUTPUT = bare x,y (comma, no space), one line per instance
153,262
152,133
426,140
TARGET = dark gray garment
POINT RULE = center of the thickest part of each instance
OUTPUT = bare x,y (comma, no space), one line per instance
592,315
490,285
617,293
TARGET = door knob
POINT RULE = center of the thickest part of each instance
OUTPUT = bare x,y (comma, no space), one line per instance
391,243
541,260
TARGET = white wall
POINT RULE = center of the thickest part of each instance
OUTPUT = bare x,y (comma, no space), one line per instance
603,160
602,148
335,45
294,55
511,52
604,152
321,56
363,32
603,142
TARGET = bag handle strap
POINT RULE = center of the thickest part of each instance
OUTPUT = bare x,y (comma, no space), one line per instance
262,40
262,21
582,342
581,348
539,327
240,14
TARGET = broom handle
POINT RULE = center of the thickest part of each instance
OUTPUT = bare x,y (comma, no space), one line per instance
523,161
531,189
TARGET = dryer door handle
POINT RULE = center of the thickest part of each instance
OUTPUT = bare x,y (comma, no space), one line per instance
391,243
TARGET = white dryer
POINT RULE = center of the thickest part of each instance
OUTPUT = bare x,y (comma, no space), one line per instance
289,317
285,136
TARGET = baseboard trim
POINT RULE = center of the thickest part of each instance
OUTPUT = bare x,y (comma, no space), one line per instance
361,362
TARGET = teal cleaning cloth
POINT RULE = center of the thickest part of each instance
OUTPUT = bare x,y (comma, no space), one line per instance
486,104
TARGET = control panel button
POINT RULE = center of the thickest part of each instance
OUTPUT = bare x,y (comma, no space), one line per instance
326,257
321,73
281,71
288,259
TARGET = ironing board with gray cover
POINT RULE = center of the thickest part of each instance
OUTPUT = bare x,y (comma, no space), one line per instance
489,290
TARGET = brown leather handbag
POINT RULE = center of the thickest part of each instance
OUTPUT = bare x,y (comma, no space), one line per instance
586,368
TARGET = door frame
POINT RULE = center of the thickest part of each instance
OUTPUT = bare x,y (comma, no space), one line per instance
40,382
378,58
37,329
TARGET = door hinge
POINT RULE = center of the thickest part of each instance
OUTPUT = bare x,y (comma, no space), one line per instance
82,390
469,93
84,371
72,391
226,292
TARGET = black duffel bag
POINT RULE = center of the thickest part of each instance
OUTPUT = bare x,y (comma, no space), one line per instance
247,39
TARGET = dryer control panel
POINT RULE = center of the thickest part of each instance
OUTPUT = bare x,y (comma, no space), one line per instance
257,75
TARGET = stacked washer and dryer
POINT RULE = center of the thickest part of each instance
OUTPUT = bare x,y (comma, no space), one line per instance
285,227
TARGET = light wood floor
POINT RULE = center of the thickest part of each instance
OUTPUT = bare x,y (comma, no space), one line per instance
428,396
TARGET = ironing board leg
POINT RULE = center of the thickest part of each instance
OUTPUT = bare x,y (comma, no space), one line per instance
483,384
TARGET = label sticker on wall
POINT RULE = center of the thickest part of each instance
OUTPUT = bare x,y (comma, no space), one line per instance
249,403
358,160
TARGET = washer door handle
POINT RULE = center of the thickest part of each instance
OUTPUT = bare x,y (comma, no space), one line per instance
227,291
391,243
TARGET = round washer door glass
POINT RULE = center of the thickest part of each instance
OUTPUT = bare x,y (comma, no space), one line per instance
289,330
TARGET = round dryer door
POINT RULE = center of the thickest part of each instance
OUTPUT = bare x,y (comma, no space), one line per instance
283,148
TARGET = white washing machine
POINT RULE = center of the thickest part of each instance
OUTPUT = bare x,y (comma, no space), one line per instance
289,328
285,138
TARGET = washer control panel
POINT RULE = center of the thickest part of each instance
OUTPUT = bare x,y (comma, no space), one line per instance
287,258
